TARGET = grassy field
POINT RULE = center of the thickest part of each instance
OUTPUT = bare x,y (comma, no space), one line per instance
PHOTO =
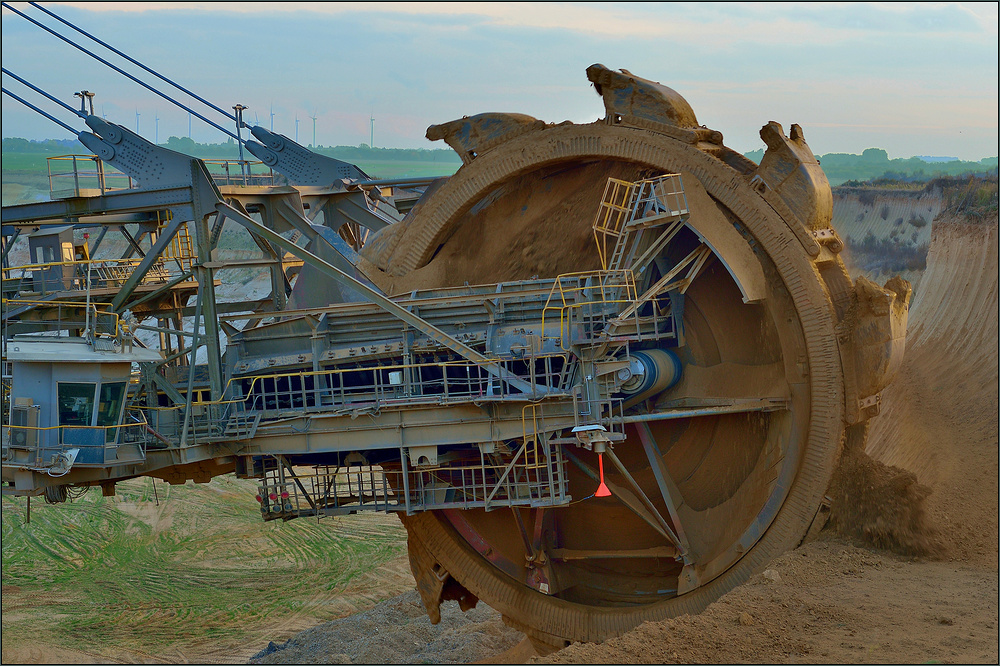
25,175
198,577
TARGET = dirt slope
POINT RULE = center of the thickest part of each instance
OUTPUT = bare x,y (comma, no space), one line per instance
902,216
830,601
941,416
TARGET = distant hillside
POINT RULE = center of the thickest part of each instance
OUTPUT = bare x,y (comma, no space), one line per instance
875,163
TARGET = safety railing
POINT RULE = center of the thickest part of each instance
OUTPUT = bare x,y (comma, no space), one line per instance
56,449
180,251
324,491
626,209
235,172
584,302
615,209
350,391
68,315
659,198
73,275
530,474
83,176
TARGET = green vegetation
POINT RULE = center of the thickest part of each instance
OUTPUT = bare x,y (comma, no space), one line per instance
20,154
886,256
25,168
848,169
976,198
122,573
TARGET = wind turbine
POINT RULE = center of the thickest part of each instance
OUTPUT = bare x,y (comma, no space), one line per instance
156,132
137,114
314,127
272,117
296,128
371,143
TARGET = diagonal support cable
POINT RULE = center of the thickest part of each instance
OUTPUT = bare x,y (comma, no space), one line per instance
36,109
42,92
133,61
120,70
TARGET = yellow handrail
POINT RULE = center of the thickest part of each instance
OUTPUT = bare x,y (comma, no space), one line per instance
116,318
316,373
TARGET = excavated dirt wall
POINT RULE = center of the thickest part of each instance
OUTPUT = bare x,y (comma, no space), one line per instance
903,216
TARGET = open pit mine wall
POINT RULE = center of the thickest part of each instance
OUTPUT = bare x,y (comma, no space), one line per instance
951,341
951,344
903,216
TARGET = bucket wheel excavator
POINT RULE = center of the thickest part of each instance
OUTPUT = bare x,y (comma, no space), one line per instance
779,358
603,373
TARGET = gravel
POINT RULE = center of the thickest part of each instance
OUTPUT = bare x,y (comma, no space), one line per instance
397,631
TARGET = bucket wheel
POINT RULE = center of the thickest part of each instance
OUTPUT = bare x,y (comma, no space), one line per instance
740,479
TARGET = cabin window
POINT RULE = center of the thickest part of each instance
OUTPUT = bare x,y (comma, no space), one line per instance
109,408
76,403
45,254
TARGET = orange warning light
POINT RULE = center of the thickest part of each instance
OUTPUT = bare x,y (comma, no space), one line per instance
602,490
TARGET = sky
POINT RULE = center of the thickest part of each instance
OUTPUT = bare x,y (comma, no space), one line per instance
911,78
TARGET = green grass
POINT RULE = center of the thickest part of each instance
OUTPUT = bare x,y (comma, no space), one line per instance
202,568
400,169
25,175
33,162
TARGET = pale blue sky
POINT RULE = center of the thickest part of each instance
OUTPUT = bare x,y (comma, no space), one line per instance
912,78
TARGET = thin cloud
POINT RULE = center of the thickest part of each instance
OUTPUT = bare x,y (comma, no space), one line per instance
723,23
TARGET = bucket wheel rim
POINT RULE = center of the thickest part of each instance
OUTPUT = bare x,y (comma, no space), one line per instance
551,620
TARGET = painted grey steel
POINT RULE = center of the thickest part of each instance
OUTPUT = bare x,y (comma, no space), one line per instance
149,165
463,350
301,165
118,304
668,489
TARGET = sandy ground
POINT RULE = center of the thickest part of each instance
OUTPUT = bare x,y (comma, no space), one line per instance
398,631
827,602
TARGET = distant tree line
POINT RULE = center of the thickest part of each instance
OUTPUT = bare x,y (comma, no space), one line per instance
229,150
49,146
874,163
839,167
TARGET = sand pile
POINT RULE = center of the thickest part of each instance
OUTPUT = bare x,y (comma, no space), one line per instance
530,226
398,631
881,505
